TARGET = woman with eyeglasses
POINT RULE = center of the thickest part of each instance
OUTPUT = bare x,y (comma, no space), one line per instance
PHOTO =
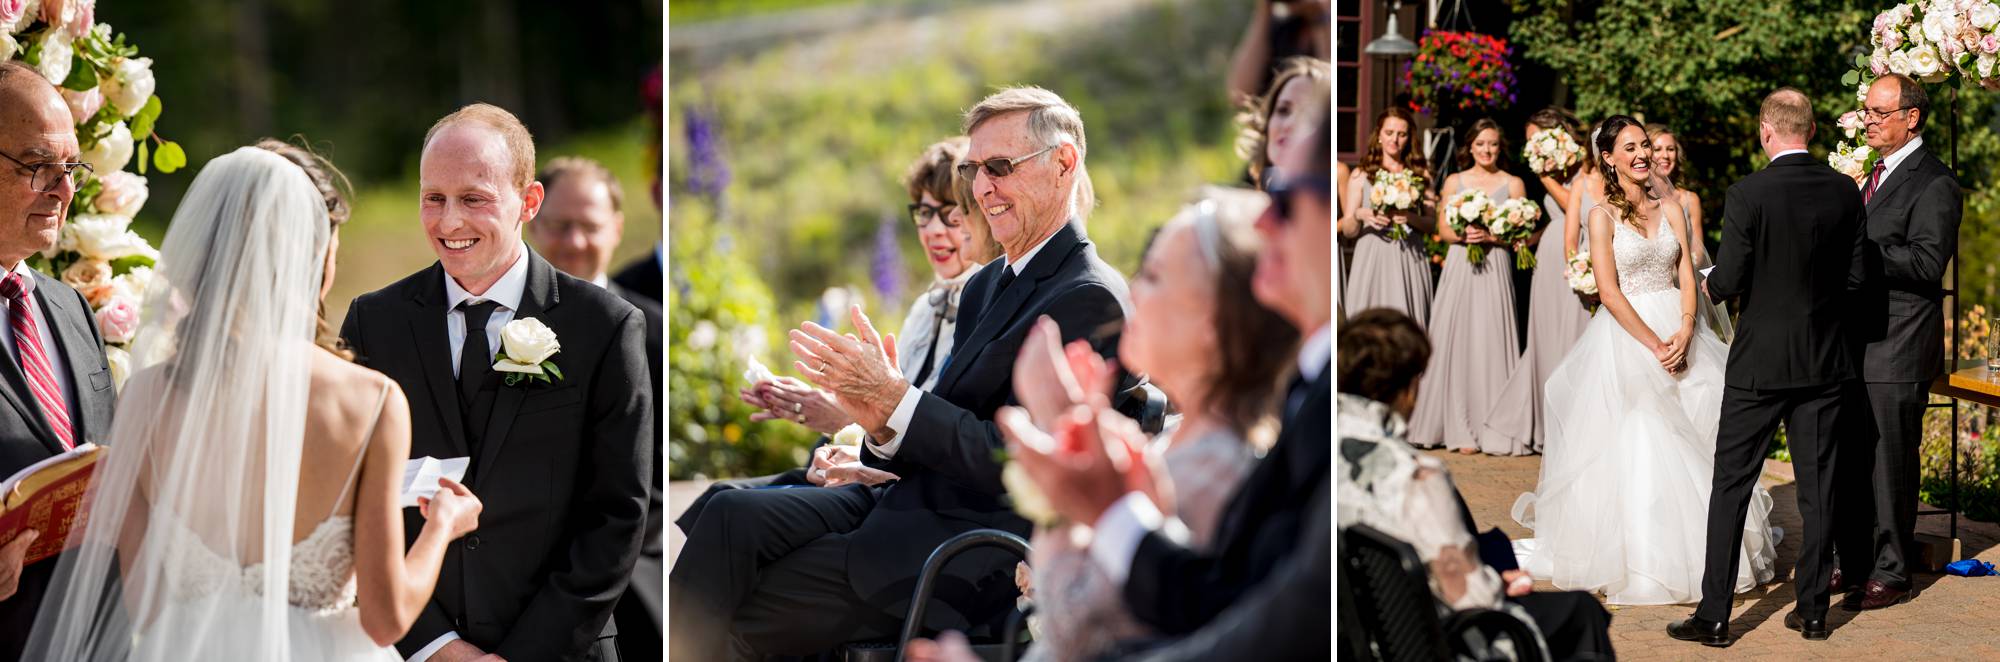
1472,318
1388,271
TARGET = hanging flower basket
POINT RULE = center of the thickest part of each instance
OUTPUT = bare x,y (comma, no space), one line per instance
1460,72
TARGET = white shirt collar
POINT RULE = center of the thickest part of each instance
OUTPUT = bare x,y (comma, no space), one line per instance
24,270
601,281
1018,265
1788,152
1314,354
507,291
1892,161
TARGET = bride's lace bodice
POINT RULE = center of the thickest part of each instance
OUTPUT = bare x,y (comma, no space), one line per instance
322,568
1646,264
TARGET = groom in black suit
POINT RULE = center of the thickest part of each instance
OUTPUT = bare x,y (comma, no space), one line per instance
563,467
1792,248
1913,213
38,137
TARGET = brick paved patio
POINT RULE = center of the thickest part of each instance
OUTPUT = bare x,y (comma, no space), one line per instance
1949,618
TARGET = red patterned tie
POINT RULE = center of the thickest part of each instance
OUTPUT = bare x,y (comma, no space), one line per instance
1874,177
34,363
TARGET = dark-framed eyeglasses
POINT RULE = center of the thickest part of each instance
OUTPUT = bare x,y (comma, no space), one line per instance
996,167
44,177
1871,116
922,214
1281,194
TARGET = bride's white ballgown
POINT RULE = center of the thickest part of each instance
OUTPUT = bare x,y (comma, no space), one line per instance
1622,506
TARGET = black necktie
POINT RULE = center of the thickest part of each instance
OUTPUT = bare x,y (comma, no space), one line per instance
1006,278
1295,396
475,358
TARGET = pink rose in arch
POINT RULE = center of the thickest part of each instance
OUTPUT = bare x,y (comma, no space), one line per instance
1989,44
82,105
118,320
10,13
86,17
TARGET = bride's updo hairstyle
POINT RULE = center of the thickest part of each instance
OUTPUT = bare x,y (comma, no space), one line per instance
1614,190
335,190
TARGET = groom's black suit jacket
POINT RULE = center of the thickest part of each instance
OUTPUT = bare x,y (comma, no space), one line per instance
563,469
1912,234
950,481
25,435
1793,247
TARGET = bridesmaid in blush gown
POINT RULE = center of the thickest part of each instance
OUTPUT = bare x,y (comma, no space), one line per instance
1472,318
1386,273
1556,315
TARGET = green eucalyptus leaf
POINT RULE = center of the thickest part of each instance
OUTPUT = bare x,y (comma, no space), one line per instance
169,157
145,147
1853,77
142,123
82,74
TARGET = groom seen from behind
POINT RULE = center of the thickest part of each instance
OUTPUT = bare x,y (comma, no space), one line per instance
1792,250
71,400
563,464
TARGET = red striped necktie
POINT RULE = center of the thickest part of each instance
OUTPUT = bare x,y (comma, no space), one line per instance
34,362
1874,177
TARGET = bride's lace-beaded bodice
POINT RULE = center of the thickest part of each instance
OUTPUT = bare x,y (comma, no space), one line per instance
322,572
1646,264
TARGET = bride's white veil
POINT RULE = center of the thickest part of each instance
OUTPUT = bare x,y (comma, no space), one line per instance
191,512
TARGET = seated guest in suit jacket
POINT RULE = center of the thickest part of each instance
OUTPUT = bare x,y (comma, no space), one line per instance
849,574
579,226
950,231
37,183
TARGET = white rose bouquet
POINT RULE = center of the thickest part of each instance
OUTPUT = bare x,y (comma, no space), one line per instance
1465,210
1552,151
1396,191
1513,222
1579,275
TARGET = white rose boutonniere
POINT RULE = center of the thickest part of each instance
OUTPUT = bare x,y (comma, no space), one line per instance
525,347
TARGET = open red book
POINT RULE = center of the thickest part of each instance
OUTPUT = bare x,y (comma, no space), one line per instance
48,497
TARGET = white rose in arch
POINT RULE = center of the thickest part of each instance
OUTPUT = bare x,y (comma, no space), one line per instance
1924,62
122,194
121,365
56,56
130,84
111,152
528,342
103,237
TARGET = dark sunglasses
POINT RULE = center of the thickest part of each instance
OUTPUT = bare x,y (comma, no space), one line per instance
1281,192
996,167
922,214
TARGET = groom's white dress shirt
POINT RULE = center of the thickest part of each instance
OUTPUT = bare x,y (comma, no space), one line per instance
47,329
899,420
507,292
1125,524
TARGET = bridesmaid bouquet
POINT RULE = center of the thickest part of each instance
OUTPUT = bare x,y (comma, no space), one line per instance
1465,210
1396,191
1513,222
1579,276
1552,151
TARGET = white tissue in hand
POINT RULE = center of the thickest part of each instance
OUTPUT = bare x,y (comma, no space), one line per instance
849,436
421,474
1704,272
757,373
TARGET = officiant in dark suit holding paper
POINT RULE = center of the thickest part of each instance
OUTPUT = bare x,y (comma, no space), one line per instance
1793,251
1913,214
537,376
54,378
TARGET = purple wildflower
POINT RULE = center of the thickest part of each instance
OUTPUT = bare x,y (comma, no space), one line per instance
708,171
886,270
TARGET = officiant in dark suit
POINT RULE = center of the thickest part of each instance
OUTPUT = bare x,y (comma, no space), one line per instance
1793,251
1913,214
852,577
54,378
579,226
563,462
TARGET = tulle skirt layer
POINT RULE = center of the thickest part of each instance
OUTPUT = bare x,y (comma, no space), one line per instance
225,627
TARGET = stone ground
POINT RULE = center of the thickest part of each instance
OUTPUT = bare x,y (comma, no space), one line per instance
1949,618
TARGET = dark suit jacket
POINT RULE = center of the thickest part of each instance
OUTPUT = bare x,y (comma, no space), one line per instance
25,435
950,481
1793,248
563,469
1912,234
640,612
1178,590
642,276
